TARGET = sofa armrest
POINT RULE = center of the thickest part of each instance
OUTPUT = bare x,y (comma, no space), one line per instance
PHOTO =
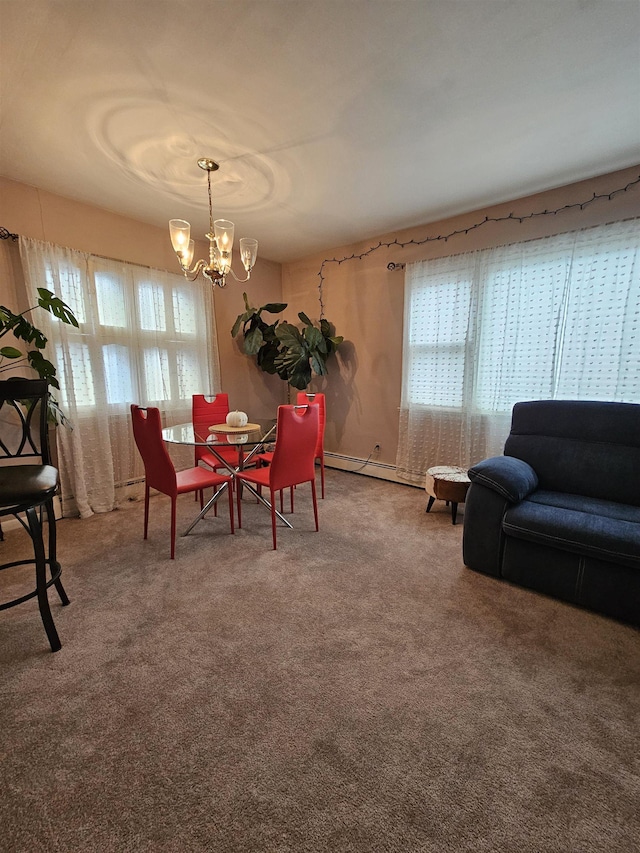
483,536
512,478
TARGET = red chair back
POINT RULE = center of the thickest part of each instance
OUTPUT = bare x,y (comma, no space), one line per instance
205,412
159,470
212,410
305,397
296,439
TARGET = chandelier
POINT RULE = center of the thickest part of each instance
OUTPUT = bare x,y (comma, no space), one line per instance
220,238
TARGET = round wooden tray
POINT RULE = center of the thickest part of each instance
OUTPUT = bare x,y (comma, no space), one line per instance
225,428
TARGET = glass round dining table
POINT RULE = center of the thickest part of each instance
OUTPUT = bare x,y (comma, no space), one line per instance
248,440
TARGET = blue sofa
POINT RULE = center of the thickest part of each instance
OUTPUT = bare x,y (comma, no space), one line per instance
560,511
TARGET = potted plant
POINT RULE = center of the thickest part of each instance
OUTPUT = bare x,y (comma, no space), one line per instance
280,347
23,330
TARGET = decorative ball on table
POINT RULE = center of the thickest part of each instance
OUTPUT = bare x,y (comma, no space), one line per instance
237,419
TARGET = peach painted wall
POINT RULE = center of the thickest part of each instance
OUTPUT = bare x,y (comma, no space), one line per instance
362,298
32,212
366,302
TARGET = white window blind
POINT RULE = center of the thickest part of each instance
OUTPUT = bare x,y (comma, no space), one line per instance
145,336
554,318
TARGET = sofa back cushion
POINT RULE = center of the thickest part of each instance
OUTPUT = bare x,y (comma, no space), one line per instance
580,447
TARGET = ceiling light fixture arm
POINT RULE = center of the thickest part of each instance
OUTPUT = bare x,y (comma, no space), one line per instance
220,239
192,274
241,280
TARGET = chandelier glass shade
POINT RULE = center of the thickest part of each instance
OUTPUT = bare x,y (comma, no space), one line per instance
220,238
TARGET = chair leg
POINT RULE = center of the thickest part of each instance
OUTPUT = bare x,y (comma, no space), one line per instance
239,505
454,511
173,528
430,504
54,565
230,490
291,488
315,501
273,518
322,474
35,531
146,509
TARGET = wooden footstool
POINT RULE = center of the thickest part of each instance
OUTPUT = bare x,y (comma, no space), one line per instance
448,483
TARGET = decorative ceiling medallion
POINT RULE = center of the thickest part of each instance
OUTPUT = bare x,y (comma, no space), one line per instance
158,145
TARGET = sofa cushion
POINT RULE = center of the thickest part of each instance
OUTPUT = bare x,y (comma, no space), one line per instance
589,526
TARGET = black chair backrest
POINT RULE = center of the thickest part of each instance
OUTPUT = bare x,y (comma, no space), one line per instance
23,420
580,447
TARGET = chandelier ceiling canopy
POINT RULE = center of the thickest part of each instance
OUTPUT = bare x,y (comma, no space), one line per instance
220,238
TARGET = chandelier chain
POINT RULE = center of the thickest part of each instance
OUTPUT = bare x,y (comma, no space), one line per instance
210,202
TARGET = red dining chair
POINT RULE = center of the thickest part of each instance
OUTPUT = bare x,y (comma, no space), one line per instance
205,412
305,397
160,473
293,459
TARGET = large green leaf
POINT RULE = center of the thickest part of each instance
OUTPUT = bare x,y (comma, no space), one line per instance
301,377
282,372
253,341
318,365
56,307
241,319
236,326
269,332
314,338
6,317
24,330
43,367
10,352
250,314
289,335
266,358
292,357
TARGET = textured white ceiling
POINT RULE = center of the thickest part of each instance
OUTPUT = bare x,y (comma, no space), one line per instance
332,120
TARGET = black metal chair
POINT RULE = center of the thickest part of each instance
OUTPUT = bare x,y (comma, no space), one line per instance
28,489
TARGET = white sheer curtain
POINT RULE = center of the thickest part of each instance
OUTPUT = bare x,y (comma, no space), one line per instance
145,336
553,318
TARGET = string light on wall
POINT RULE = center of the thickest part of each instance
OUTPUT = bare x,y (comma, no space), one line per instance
432,239
220,239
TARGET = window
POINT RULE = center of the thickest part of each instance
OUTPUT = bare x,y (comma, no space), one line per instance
437,326
145,336
144,342
552,318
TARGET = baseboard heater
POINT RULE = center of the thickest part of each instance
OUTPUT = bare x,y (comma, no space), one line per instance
355,465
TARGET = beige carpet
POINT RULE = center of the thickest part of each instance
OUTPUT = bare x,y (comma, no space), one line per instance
357,690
